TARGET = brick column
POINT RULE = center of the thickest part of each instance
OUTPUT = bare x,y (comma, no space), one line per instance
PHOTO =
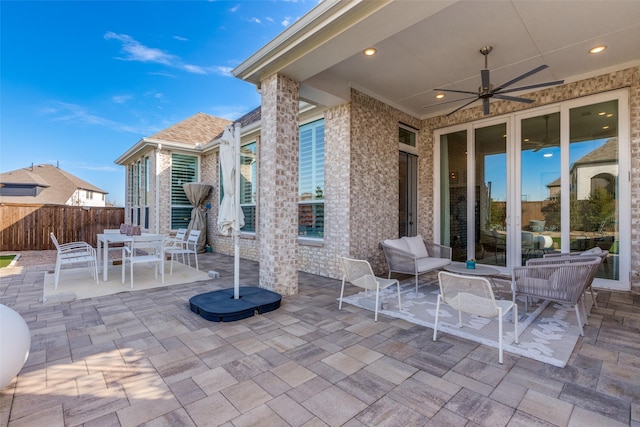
278,187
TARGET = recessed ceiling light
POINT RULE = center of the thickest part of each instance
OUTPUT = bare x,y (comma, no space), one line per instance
609,115
601,113
370,51
597,49
440,96
605,127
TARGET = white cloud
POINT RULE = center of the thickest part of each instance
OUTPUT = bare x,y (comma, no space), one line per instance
121,99
234,9
222,70
136,51
255,20
286,21
77,115
182,39
230,112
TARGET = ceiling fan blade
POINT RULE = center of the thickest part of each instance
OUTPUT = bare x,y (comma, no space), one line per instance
456,91
515,89
462,106
485,106
486,82
449,102
512,98
520,77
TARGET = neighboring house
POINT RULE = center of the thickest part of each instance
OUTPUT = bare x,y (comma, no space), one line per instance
597,169
352,149
158,165
48,185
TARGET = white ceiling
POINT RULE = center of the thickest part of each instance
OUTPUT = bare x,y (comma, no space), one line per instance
423,45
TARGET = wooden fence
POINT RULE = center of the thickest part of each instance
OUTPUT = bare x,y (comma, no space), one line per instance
26,227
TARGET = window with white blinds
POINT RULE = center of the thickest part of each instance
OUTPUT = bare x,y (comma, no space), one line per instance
311,180
184,169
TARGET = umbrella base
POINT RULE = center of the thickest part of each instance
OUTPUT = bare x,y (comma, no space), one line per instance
220,306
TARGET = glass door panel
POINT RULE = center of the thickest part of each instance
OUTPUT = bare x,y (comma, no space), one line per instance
593,182
490,192
453,193
540,206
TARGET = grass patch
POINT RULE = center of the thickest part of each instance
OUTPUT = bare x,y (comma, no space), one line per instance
5,260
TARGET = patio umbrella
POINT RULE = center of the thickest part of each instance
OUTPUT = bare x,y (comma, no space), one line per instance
230,216
197,192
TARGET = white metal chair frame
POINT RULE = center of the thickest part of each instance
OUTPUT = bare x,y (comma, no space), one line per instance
474,295
144,249
188,247
177,241
74,253
359,273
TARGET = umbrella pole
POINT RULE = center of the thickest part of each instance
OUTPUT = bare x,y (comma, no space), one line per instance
236,230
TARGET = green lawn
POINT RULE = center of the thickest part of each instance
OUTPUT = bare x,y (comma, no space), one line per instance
5,260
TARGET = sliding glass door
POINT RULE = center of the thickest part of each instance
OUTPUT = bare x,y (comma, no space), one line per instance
542,181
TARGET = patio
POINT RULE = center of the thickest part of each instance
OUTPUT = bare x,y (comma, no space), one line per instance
143,358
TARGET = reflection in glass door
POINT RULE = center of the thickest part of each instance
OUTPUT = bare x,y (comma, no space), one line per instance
540,210
490,192
594,191
453,193
553,185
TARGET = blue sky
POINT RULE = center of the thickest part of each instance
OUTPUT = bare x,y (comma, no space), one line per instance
82,81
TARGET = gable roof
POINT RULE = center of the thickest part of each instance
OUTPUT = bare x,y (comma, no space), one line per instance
199,129
57,185
606,153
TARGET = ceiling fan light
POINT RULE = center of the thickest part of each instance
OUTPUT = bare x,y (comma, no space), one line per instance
597,49
547,155
370,51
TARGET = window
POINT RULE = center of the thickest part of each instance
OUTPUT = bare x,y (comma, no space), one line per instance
407,135
183,169
248,185
146,181
311,180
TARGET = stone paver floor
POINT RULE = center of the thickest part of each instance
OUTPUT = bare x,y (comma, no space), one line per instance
142,358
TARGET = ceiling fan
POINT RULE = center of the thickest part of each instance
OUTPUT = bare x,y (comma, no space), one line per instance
488,91
547,141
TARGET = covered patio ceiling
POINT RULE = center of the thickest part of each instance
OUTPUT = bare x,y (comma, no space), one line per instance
423,45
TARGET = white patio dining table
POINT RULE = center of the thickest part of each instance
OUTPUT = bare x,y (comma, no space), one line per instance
104,240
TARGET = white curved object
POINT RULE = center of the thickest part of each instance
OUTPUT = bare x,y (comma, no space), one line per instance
15,342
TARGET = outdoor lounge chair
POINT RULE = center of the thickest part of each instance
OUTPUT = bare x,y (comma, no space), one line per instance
359,273
596,251
74,253
561,280
473,295
412,255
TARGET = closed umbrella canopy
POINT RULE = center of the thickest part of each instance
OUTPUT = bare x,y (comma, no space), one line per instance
228,213
197,192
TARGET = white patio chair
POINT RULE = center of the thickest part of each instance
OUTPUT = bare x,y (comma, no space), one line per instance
74,253
177,241
147,249
189,247
359,273
474,295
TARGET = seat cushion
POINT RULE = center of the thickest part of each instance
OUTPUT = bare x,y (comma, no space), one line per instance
593,251
431,263
416,246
